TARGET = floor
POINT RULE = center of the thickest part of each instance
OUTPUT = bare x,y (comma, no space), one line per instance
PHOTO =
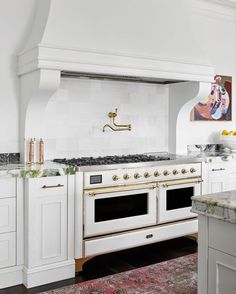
108,264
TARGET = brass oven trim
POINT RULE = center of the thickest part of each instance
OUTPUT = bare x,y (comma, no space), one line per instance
170,183
98,191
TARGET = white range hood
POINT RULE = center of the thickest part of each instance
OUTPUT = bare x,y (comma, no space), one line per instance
145,39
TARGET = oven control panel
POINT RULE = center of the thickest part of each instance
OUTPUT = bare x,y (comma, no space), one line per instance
132,176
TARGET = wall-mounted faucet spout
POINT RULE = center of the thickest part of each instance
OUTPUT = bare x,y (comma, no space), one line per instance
116,127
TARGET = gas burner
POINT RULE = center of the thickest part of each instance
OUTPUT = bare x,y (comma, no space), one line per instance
106,160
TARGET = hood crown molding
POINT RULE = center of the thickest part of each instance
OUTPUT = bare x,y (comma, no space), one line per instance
129,37
229,3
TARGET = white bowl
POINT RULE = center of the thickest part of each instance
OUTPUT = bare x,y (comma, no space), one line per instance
229,141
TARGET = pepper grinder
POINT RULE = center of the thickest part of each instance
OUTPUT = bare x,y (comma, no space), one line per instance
31,151
41,151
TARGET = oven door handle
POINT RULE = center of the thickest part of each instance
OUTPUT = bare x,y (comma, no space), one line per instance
98,191
181,182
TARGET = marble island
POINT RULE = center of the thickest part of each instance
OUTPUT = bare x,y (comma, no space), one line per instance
219,205
216,242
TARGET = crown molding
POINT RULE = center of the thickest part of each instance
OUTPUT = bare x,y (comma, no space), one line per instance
217,9
228,3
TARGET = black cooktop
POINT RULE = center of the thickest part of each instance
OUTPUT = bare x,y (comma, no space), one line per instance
89,161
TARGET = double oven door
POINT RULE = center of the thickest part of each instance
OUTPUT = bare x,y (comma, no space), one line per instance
117,209
174,199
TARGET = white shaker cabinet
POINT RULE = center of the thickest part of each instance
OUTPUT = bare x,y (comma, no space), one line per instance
47,220
216,256
49,216
218,180
220,176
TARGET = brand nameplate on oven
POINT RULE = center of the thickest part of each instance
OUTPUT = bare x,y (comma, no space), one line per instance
96,179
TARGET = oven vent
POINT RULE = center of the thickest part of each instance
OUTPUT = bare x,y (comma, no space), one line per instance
126,78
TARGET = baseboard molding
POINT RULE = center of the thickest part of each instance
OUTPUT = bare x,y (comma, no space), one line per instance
11,276
48,273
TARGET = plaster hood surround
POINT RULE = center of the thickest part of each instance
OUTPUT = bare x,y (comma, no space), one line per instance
148,39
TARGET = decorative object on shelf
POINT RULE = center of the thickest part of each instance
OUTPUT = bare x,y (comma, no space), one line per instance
205,148
35,151
229,139
217,106
116,127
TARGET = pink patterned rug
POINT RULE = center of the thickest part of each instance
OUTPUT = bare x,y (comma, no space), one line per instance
176,276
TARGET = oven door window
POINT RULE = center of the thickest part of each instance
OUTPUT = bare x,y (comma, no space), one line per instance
179,198
120,207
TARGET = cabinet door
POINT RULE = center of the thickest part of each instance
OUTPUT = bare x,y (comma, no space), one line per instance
7,215
7,187
7,250
218,180
232,175
221,273
47,220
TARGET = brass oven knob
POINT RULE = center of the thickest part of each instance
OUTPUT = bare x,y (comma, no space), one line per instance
115,178
147,175
166,173
175,172
156,174
192,170
184,171
137,176
126,177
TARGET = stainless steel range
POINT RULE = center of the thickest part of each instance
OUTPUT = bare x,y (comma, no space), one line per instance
127,201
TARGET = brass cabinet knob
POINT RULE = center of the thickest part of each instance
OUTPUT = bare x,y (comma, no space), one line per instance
184,171
126,177
115,178
166,173
156,174
192,170
175,172
137,176
147,175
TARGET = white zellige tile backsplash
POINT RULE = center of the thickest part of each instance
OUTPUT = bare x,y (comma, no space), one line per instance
77,112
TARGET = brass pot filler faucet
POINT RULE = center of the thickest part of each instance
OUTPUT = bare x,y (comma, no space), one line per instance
116,127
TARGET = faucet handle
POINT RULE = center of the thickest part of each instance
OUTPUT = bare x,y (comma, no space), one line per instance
112,114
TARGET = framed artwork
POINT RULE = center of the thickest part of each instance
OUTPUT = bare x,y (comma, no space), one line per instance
217,106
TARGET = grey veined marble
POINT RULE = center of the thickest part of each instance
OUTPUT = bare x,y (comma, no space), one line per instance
219,205
48,169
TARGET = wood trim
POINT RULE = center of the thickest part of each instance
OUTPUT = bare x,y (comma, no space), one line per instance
80,262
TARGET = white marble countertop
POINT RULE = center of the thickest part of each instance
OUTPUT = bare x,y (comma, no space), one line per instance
218,205
47,169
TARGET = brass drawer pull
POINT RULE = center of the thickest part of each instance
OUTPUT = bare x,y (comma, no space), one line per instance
149,236
53,186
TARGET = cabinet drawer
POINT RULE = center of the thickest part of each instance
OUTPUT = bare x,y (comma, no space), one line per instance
140,237
222,236
7,250
7,215
217,170
48,186
7,187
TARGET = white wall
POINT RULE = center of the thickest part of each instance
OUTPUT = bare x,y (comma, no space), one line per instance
215,32
15,21
77,112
